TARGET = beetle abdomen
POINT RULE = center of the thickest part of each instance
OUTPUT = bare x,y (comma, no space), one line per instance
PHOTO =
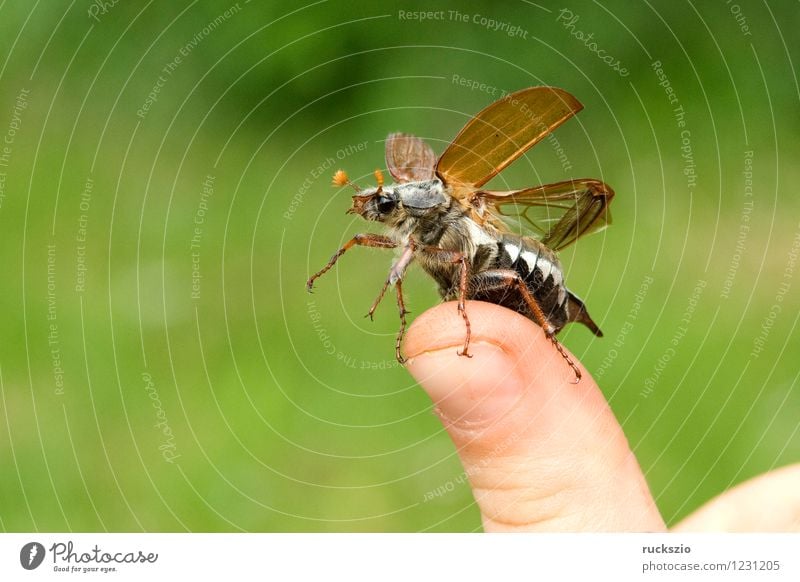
541,272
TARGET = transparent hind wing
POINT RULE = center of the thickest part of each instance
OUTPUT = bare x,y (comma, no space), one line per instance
556,214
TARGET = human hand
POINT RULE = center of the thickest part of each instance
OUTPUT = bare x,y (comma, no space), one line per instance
545,454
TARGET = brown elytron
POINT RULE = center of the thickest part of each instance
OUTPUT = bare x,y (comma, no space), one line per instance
496,246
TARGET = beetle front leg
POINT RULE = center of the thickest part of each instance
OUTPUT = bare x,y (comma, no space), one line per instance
364,240
396,278
395,275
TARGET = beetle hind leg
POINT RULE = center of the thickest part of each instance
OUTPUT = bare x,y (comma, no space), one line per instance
498,279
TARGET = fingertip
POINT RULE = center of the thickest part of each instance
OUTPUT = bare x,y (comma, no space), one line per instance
443,326
531,440
514,363
469,391
526,343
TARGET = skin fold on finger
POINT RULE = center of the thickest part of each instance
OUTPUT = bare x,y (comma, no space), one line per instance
541,452
767,503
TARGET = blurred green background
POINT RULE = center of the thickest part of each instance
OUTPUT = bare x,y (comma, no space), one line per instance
164,194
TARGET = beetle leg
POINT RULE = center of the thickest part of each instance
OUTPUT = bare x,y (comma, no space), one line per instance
461,258
365,240
397,272
401,306
503,278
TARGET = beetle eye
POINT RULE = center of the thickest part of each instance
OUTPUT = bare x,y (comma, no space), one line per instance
385,205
